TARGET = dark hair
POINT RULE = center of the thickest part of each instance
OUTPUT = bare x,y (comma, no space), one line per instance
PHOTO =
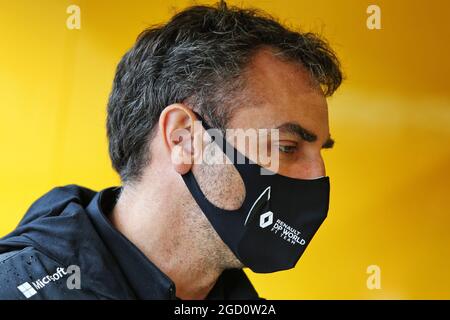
198,57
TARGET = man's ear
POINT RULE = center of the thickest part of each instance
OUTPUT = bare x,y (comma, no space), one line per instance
176,125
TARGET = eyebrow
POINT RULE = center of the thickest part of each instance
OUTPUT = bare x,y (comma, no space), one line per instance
304,134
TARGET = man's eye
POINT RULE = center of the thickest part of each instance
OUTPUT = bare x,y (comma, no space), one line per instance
287,149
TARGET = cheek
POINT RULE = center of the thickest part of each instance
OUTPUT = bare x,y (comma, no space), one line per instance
221,184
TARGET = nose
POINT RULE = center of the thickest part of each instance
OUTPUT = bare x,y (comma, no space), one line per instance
310,167
317,168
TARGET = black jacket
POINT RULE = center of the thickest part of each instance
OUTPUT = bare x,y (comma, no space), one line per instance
67,229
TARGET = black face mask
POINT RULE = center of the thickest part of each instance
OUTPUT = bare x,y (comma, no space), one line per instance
276,221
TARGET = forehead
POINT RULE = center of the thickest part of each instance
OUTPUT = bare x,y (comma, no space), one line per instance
283,91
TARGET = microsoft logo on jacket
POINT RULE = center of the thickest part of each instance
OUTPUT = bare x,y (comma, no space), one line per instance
29,290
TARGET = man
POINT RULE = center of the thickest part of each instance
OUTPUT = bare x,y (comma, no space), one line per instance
180,228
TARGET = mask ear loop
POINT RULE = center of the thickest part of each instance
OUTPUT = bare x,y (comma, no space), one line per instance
246,167
249,171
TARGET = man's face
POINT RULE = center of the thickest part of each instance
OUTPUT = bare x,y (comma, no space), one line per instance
280,95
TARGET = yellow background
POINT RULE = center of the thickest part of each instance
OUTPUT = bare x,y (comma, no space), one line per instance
390,168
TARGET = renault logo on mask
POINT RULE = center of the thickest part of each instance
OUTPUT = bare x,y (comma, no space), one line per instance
266,219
